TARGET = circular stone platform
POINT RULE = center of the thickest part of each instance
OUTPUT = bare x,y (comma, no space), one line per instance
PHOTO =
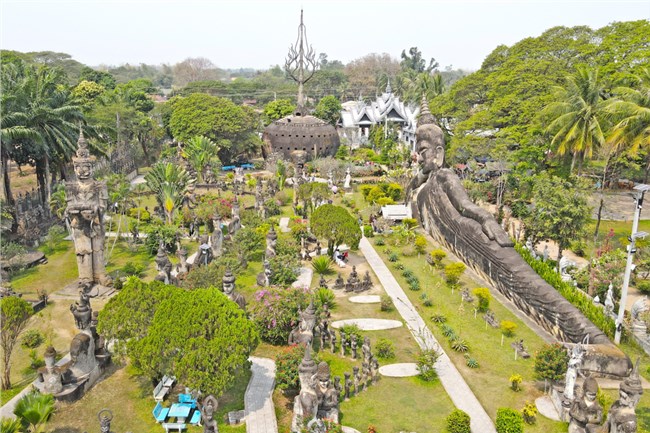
365,299
406,369
347,429
368,324
545,407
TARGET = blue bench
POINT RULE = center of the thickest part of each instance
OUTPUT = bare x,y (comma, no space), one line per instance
160,413
196,417
178,426
228,167
247,166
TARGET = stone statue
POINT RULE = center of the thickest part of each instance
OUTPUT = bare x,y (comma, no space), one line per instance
586,413
609,300
343,342
348,179
305,405
443,208
366,350
183,267
466,296
264,277
621,417
322,283
163,265
490,319
204,256
271,241
367,282
216,239
347,384
86,204
545,253
82,311
353,281
228,281
353,345
520,349
51,375
339,283
304,332
105,417
374,369
328,396
235,222
575,361
638,310
356,377
337,386
333,341
208,410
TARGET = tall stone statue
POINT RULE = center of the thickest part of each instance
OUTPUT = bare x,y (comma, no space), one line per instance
586,413
86,204
163,265
216,240
621,417
328,396
305,405
348,179
444,210
575,361
304,332
271,242
229,290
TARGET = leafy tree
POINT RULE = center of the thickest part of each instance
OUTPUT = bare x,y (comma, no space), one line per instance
33,411
232,127
335,224
576,115
287,365
328,109
105,79
551,362
369,72
169,182
204,347
560,212
86,91
277,109
14,315
275,310
205,276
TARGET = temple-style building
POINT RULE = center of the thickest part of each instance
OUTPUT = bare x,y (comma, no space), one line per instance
300,136
357,117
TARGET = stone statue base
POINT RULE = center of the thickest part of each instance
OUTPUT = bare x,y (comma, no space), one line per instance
561,404
72,290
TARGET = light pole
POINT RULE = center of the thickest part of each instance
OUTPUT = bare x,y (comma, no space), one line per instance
640,189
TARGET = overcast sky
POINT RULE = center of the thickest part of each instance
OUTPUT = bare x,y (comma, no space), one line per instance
257,34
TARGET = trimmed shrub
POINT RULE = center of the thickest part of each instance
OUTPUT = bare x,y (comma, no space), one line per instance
643,286
458,422
483,295
368,231
529,412
385,349
32,339
144,214
550,362
509,421
515,382
453,272
420,244
437,256
472,363
386,303
508,328
393,257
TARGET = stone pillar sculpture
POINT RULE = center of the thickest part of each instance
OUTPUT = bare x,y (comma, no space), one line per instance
271,241
305,405
216,239
86,204
228,281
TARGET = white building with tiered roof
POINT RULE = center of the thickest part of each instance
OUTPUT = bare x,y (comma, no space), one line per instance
357,117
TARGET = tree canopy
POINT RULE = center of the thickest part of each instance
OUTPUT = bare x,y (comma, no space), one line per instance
328,109
14,314
335,224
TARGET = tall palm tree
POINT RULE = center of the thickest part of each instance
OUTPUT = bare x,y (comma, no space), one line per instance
630,111
33,411
169,182
577,115
201,152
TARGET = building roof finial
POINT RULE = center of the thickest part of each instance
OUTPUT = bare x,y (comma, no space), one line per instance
388,88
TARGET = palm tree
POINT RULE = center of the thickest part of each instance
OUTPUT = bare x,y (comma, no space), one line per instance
631,114
33,411
577,114
169,182
201,152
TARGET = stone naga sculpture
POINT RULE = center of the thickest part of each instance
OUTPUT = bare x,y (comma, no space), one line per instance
443,208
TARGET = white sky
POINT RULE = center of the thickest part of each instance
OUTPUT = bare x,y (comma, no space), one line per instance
258,33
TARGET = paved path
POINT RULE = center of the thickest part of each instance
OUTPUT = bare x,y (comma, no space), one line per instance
457,389
258,401
7,411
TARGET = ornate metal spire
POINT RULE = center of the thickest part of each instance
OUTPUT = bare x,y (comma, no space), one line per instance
301,62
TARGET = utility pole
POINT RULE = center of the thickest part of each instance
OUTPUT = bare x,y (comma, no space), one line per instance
640,189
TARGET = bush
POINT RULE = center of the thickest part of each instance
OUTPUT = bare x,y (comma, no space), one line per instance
322,265
393,257
380,242
483,295
352,329
438,318
459,345
385,349
325,296
10,250
157,233
453,272
410,222
529,412
509,421
551,362
420,244
508,328
437,256
287,363
386,303
133,269
272,208
427,302
448,331
32,339
643,286
515,382
399,266
275,310
472,363
426,361
144,214
458,422
368,232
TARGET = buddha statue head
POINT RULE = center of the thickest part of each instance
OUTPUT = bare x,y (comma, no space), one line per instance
430,141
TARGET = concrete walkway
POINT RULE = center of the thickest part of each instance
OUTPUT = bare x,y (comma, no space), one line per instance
7,411
258,401
457,389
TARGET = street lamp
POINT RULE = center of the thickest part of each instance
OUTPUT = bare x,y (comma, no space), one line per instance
640,190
